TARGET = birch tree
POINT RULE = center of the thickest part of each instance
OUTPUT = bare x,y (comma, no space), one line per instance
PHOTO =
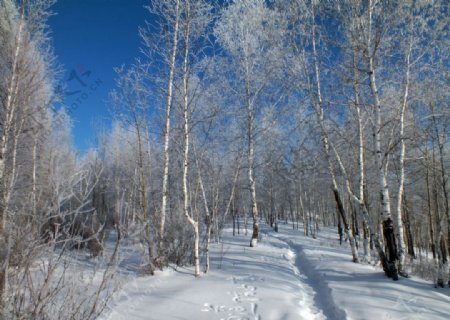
25,93
26,69
350,15
195,19
251,34
158,50
376,34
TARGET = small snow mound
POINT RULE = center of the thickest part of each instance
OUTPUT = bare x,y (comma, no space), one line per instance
289,255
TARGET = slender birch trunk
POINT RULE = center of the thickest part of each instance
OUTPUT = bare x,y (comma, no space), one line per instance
186,116
382,180
250,159
186,207
208,240
384,187
320,120
33,180
208,217
360,202
233,188
302,208
400,194
304,216
383,184
214,212
430,216
165,186
389,265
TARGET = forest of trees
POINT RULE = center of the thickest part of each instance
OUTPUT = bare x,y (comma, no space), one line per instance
330,113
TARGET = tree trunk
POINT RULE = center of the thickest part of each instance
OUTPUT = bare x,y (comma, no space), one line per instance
251,176
304,215
408,233
383,184
165,186
231,200
430,215
186,127
341,211
208,216
320,119
208,241
361,163
400,195
144,201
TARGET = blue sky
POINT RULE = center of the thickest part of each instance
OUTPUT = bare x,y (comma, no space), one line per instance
90,38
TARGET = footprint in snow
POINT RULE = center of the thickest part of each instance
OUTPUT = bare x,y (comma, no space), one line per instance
245,295
212,308
245,279
218,309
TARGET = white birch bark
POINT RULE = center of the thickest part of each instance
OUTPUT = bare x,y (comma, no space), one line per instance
186,129
367,229
251,178
250,158
388,265
165,186
382,180
398,212
383,185
361,204
208,217
320,119
302,208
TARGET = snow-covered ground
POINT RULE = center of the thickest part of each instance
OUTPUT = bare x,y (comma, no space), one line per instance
288,276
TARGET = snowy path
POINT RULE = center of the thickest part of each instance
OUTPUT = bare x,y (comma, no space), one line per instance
288,276
346,290
245,283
